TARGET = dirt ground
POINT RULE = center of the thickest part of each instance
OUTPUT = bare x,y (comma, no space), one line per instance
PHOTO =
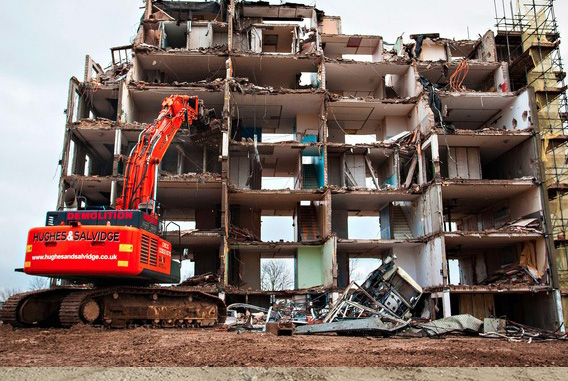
88,346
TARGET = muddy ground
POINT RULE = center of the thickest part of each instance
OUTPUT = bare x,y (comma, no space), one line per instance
88,346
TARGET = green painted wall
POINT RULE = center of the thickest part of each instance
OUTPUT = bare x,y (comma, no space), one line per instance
309,267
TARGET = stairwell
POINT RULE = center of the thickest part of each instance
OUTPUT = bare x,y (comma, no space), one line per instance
399,225
309,179
308,223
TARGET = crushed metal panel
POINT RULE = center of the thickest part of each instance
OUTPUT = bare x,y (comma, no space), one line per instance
372,325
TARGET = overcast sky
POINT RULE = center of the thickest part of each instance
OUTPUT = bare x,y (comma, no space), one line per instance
46,42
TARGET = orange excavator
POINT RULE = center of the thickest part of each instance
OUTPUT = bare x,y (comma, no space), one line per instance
119,253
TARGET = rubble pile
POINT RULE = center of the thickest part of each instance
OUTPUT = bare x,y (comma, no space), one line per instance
522,225
198,280
201,176
515,332
242,234
512,275
96,122
242,316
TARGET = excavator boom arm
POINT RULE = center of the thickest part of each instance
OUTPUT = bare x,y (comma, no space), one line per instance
140,178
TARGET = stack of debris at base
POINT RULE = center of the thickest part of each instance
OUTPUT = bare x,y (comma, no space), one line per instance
512,331
242,316
490,328
511,275
242,234
380,306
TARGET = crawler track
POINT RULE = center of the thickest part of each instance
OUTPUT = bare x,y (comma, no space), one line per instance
115,307
9,313
34,308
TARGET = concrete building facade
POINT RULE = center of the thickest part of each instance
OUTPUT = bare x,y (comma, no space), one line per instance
323,128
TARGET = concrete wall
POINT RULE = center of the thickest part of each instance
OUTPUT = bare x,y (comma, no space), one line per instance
405,85
219,38
249,270
394,125
357,167
429,261
334,170
339,222
525,203
307,124
200,36
406,258
309,267
420,116
516,163
432,51
516,116
239,171
386,171
128,111
432,216
206,260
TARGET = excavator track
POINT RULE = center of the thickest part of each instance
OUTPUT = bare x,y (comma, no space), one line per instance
114,307
33,308
9,313
120,307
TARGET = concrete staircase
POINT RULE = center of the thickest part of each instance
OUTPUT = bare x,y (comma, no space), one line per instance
399,225
309,179
308,223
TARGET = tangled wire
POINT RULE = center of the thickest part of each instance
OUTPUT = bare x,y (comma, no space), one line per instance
516,332
456,80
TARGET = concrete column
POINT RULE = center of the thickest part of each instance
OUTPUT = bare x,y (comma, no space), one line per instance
342,170
116,159
342,270
204,158
435,155
339,223
230,16
180,161
446,305
422,178
148,10
224,262
559,310
399,180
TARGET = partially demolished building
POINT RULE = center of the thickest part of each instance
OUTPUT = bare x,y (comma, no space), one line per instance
322,127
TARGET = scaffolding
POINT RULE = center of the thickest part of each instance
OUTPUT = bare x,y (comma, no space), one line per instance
528,39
